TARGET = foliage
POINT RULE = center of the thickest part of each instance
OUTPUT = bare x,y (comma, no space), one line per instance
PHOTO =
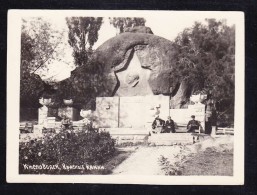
83,33
82,85
206,60
40,45
66,148
176,167
121,23
31,87
85,84
168,168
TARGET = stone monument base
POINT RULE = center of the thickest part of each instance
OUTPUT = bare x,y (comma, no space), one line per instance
127,135
168,139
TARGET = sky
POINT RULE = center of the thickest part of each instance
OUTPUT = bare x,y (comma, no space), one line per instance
166,27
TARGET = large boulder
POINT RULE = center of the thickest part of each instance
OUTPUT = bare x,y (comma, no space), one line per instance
139,29
136,64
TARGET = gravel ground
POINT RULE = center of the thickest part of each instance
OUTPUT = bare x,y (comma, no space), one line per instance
145,160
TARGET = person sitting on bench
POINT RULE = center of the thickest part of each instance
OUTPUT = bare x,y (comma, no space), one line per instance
170,126
158,125
193,125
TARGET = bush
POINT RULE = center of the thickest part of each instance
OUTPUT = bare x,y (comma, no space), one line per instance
168,168
66,153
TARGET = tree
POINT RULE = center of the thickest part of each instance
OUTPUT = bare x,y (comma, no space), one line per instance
83,33
121,23
81,86
206,60
84,85
41,44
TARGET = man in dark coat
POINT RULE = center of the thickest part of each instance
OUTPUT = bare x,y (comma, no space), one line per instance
170,126
158,125
193,125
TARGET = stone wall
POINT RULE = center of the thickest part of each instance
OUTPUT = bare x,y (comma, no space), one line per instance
130,112
182,116
106,113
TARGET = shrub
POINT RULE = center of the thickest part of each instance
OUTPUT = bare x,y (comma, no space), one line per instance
168,168
66,148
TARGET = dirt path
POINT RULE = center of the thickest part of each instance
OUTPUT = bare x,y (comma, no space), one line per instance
145,160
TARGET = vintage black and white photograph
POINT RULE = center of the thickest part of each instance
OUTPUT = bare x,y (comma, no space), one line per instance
125,94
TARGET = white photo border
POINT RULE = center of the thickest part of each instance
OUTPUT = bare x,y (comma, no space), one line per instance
13,83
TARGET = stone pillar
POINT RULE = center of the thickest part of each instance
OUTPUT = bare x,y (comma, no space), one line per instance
86,114
69,111
213,130
209,116
42,115
43,111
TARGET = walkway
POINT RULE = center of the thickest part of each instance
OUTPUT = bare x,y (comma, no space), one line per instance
145,160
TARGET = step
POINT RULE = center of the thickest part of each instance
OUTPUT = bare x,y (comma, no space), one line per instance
125,131
170,138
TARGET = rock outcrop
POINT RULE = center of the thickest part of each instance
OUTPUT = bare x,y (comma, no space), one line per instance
137,63
154,53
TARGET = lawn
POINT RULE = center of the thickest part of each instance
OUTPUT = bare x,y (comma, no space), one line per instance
210,162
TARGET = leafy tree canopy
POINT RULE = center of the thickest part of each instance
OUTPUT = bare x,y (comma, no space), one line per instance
83,34
40,45
121,23
206,60
84,85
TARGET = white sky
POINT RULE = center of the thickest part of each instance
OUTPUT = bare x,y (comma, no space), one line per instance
167,27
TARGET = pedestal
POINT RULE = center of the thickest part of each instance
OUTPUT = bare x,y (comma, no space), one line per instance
70,112
42,115
213,130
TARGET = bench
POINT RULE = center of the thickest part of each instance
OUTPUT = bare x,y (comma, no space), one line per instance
48,130
182,128
26,127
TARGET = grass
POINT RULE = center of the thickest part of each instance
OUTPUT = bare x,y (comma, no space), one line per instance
210,162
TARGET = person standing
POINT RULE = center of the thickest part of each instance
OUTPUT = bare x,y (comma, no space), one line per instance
170,126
